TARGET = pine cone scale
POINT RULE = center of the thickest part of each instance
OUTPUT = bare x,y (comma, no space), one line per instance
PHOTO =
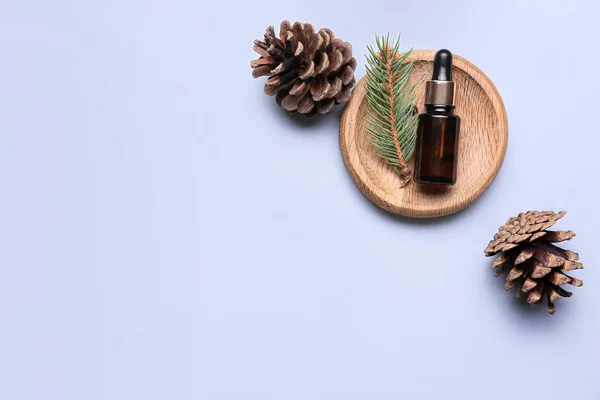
262,51
559,279
325,107
322,63
344,94
290,102
306,105
571,266
335,88
346,75
308,72
261,71
539,271
525,255
528,285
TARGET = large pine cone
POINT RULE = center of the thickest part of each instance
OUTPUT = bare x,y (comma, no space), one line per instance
535,265
309,71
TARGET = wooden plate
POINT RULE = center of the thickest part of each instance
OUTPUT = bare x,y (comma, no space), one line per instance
482,145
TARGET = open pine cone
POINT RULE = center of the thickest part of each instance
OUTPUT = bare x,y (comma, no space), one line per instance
309,71
535,266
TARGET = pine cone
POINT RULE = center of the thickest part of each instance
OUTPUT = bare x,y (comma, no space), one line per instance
309,71
535,265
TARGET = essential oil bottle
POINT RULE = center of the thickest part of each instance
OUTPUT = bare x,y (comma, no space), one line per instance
438,129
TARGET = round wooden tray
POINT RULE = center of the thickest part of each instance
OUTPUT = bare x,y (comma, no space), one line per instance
482,145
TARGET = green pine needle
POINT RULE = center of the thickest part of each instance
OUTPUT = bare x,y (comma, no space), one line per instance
391,124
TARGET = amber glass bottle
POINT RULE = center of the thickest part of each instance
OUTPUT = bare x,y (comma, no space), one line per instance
438,129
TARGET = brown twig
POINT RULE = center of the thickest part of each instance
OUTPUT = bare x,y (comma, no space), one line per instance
404,171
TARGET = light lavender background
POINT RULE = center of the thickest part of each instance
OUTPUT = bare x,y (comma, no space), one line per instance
167,233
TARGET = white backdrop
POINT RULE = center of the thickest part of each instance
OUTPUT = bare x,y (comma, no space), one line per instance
168,233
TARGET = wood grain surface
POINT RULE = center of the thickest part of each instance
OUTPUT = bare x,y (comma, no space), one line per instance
482,145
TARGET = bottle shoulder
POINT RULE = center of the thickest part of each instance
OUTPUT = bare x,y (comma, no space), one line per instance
439,115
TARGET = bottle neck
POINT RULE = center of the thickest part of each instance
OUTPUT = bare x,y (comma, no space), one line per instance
439,108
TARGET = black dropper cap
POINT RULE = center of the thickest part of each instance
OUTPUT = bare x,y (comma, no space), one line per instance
442,66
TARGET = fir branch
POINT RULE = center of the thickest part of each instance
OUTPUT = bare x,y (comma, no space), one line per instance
391,123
